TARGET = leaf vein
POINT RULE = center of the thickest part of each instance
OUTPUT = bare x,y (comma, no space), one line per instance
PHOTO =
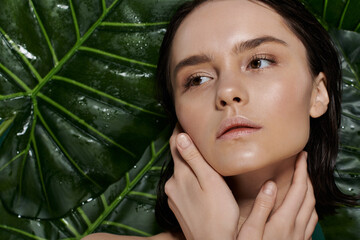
100,52
343,14
122,195
26,61
40,171
123,24
45,33
64,150
21,232
73,82
123,226
76,26
84,216
70,227
82,122
72,51
142,194
16,78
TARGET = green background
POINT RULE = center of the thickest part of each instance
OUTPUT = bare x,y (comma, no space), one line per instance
82,137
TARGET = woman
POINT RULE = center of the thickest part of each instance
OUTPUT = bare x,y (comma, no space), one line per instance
251,84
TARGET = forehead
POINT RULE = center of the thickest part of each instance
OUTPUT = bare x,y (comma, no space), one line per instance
216,26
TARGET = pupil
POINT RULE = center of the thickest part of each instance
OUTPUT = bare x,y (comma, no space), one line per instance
256,64
197,80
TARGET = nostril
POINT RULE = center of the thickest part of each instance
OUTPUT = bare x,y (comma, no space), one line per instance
236,99
223,103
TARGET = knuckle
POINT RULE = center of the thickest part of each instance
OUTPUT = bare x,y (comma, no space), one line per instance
191,155
264,202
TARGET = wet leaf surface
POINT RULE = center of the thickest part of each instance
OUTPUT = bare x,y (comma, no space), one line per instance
82,137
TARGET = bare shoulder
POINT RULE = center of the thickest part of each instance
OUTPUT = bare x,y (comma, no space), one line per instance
107,236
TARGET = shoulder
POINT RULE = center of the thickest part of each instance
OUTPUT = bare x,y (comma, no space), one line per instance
107,236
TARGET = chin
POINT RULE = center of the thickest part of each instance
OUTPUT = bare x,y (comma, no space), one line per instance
242,163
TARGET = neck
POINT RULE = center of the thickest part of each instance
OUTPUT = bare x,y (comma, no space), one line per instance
246,187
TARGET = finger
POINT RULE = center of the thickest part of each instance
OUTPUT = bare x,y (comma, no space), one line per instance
264,203
183,224
311,225
306,209
179,163
297,192
192,156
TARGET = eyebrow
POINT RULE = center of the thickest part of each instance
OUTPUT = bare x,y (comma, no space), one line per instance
238,48
192,61
254,43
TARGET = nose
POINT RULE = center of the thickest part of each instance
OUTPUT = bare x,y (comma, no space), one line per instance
230,93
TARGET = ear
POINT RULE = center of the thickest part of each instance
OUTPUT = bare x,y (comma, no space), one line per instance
319,97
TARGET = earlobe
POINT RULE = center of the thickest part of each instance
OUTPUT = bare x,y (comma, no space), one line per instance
319,97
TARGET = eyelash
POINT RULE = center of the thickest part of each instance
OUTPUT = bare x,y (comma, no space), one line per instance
257,57
190,80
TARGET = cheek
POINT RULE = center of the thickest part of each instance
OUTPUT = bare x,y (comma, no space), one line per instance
197,119
192,116
290,114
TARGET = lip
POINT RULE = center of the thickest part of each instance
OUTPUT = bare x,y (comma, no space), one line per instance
235,127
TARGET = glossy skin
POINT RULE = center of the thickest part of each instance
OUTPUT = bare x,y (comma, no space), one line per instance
265,81
265,87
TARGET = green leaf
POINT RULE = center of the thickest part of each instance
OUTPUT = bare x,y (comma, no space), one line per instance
341,14
346,222
126,207
82,137
76,97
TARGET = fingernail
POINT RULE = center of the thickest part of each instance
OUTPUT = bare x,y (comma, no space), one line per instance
269,188
183,140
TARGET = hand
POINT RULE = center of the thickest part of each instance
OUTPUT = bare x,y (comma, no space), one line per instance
295,219
199,197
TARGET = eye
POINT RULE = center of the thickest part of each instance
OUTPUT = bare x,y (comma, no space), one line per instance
197,80
259,62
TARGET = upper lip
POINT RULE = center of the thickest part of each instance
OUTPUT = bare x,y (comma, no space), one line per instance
235,122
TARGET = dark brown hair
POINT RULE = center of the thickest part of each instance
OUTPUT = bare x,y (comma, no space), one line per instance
323,143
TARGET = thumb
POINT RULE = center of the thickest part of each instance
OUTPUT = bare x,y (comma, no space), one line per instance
254,225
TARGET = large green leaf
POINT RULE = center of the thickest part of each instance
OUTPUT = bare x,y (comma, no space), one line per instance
341,14
82,137
76,98
126,207
347,221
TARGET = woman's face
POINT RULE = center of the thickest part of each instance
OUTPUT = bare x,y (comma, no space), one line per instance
242,87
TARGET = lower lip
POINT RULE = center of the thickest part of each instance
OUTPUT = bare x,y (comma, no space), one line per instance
238,132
